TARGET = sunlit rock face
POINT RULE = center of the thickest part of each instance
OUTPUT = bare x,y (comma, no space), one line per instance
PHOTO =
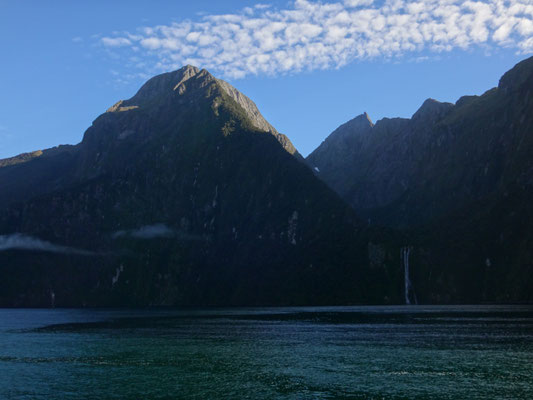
184,194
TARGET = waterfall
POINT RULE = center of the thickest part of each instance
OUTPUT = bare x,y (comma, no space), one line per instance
408,286
405,258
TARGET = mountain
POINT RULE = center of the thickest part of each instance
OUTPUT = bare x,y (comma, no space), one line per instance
457,178
184,195
373,165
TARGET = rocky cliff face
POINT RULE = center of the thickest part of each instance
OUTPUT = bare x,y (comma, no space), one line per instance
256,118
406,172
334,160
184,194
373,165
457,177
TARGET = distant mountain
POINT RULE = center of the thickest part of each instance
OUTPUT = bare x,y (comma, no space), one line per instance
184,195
457,177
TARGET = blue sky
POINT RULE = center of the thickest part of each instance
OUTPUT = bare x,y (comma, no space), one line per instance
308,65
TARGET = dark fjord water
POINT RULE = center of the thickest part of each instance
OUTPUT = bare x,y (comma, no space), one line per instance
459,352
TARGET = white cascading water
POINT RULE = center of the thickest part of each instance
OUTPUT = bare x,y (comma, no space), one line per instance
407,281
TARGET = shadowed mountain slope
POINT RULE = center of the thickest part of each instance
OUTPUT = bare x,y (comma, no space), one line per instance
459,178
184,195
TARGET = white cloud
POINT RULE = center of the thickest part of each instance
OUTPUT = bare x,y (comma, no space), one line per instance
156,231
115,41
310,35
146,232
19,241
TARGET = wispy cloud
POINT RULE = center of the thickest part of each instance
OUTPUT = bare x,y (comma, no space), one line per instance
310,35
156,231
116,41
19,241
146,232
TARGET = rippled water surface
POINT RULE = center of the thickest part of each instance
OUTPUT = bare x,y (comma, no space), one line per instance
452,352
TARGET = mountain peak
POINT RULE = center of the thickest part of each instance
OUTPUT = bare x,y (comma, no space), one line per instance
160,85
166,83
167,93
343,138
361,122
518,76
364,117
176,81
432,109
357,127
